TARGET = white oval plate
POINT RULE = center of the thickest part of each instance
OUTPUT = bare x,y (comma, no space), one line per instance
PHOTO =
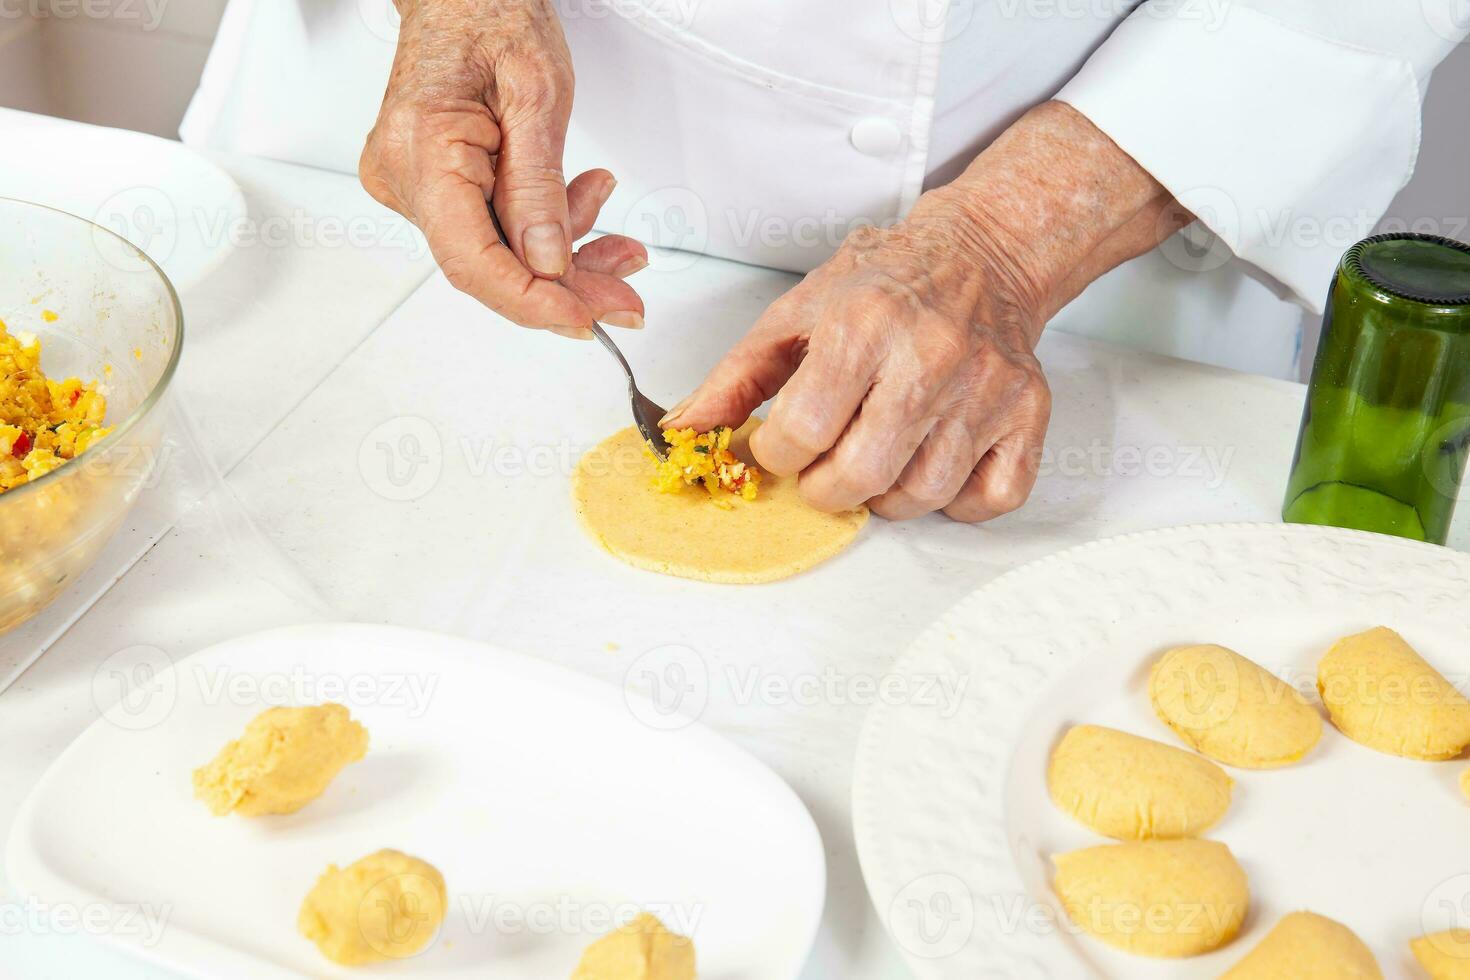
158,194
549,806
954,826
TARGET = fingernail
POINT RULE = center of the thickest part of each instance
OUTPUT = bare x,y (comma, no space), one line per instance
573,333
675,412
631,266
624,318
612,185
545,248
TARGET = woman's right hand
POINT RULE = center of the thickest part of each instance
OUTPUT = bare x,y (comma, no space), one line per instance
476,110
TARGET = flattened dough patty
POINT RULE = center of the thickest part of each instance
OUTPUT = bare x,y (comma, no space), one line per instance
1380,692
1232,709
1133,788
1166,898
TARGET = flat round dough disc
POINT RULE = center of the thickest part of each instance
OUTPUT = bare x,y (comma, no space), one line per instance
687,534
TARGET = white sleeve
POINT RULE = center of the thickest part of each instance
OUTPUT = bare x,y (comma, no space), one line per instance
1286,132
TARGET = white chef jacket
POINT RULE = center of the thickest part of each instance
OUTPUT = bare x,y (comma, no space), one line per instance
762,130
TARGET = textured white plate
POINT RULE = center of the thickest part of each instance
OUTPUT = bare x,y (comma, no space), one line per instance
550,801
182,210
954,827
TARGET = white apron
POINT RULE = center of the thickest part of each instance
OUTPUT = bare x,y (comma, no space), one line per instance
763,130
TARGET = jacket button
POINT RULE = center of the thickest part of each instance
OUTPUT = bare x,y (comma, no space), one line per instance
876,136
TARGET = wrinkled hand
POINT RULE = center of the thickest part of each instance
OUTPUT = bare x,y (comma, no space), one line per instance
902,368
905,379
477,109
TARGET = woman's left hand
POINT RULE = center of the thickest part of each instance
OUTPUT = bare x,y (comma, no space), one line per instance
902,368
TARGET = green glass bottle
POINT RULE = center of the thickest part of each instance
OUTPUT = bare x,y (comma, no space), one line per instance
1386,426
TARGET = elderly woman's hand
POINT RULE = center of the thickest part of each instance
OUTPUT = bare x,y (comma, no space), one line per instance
902,368
477,109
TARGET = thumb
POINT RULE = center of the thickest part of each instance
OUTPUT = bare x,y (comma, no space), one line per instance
530,192
753,371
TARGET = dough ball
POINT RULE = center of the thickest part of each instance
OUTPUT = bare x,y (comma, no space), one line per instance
772,537
1381,693
1444,955
385,906
1168,898
286,758
1231,709
1307,946
1134,788
641,950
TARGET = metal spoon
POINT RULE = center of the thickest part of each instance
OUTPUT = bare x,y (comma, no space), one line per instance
646,413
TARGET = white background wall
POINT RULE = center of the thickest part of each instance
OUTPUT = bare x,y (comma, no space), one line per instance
118,63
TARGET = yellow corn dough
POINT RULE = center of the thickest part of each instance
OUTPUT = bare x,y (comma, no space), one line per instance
385,906
1444,955
1231,709
690,535
1134,788
286,758
1167,898
1307,946
1380,692
641,950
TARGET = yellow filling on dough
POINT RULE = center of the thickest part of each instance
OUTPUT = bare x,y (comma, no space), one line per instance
43,422
705,459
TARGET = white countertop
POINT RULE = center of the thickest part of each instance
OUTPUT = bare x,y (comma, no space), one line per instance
317,375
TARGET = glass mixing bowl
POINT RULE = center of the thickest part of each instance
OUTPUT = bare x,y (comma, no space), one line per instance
117,320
